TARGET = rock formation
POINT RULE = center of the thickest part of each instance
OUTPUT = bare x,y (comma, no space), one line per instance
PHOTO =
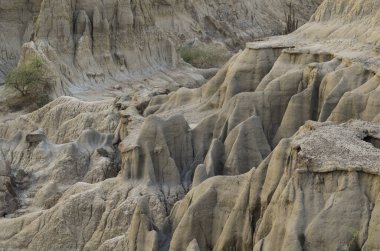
310,186
100,44
279,150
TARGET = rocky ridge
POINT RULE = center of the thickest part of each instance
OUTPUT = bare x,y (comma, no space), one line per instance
281,142
91,46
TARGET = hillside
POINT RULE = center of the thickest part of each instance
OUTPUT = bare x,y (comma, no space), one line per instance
99,44
279,150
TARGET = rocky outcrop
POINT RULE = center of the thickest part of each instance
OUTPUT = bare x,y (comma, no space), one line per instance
7,190
295,86
285,203
162,154
41,171
106,211
65,119
364,98
264,156
113,42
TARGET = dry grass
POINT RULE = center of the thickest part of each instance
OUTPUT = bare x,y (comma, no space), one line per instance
205,56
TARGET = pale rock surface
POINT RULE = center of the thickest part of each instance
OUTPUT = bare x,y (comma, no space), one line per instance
307,182
230,165
162,153
92,45
64,119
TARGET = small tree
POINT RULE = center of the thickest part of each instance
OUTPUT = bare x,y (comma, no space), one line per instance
30,80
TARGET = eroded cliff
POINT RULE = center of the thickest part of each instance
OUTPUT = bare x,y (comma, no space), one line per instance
92,45
278,151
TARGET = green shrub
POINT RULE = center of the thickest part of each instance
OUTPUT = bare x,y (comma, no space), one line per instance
205,56
30,80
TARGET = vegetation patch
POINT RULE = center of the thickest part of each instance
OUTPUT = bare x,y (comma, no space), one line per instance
31,83
205,56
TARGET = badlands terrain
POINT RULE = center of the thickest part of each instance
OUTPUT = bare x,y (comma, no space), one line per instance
277,149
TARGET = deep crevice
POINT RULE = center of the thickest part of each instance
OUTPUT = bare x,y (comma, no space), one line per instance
372,140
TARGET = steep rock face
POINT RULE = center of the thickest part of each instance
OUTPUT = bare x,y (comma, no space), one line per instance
365,98
259,200
106,213
301,85
43,184
243,73
292,86
287,201
7,193
162,154
91,43
322,98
